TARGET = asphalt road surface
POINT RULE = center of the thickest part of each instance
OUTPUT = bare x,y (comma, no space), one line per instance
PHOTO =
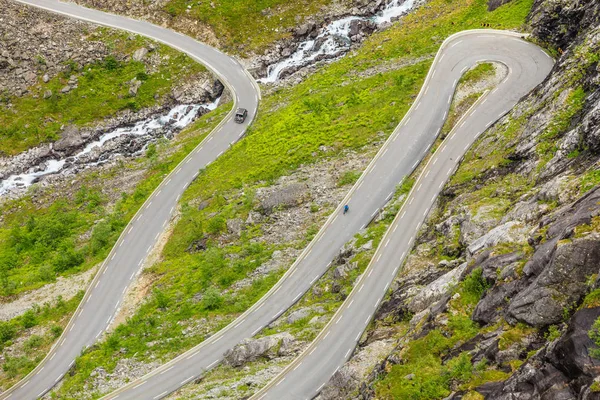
398,158
528,66
103,297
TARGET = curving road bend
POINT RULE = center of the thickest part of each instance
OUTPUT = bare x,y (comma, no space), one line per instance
103,297
398,157
528,66
406,147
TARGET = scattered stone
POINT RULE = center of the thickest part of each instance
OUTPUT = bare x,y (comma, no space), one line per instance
267,347
234,226
134,86
287,196
140,54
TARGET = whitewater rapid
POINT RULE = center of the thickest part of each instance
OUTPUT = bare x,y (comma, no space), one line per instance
336,38
178,117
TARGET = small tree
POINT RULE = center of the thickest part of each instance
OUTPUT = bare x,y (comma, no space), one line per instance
212,299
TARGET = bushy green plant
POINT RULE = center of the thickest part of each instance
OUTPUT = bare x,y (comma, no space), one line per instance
111,63
473,287
349,178
29,319
212,299
162,300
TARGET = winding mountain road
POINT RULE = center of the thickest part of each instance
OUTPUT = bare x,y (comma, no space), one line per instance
103,297
400,155
528,66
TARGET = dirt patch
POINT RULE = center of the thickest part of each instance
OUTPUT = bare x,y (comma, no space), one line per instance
66,287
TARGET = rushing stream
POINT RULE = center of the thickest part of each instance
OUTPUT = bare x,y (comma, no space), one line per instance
334,39
176,119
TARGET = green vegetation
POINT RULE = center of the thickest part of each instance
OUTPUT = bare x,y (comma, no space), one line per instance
326,297
422,358
561,120
593,226
247,26
553,333
590,180
473,287
595,336
592,299
101,92
38,244
73,233
514,334
477,73
49,320
349,178
291,129
293,125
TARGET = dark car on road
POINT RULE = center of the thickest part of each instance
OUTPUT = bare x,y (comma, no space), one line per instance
240,115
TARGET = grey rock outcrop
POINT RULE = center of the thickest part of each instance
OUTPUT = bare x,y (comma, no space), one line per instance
287,196
266,347
140,54
510,232
561,370
436,289
561,284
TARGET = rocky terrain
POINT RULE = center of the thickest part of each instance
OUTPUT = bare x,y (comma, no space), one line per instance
518,225
519,219
305,29
38,48
37,45
284,211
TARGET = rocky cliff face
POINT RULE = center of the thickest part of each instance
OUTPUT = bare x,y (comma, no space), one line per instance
519,225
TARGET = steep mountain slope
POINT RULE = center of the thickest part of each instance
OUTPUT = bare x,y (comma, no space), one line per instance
58,74
499,297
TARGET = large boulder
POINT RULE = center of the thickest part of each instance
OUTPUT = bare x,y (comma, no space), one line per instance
134,86
564,369
140,54
287,196
571,353
436,289
268,347
561,284
509,232
70,139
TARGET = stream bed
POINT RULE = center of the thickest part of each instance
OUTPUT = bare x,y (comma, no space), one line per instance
128,140
335,39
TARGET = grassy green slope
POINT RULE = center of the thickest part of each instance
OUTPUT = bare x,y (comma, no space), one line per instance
102,91
247,25
343,106
79,228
